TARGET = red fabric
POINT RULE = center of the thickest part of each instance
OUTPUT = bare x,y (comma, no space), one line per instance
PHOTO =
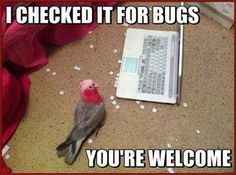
24,52
15,93
4,168
17,88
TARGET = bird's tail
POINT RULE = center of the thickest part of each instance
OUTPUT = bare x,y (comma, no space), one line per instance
69,149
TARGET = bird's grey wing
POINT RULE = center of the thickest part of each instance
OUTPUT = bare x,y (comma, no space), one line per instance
87,121
88,118
80,112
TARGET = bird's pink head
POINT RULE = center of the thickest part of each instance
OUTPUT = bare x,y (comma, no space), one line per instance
89,92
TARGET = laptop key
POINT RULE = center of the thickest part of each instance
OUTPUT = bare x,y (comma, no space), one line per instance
153,65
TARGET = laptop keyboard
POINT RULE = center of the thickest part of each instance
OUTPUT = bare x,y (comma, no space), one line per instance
152,66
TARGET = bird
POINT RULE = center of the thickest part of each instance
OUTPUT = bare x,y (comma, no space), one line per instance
88,118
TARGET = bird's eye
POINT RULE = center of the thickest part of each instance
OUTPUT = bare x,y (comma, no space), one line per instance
90,87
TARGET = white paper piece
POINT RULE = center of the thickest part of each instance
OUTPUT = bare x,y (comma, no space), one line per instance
48,70
61,92
90,140
112,97
125,24
169,145
170,170
198,131
90,46
54,73
7,156
115,50
110,72
185,105
142,106
154,109
76,68
117,106
5,149
114,102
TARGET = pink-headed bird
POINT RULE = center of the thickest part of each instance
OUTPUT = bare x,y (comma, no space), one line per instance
89,117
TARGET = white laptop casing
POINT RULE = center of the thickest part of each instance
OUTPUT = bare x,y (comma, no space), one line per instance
128,81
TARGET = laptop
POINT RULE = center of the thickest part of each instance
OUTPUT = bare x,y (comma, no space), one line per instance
151,67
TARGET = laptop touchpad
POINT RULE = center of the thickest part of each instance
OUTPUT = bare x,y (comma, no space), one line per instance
130,65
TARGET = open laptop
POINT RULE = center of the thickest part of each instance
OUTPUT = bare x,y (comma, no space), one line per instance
151,68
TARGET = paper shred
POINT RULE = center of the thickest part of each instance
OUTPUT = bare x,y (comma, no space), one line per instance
48,70
185,105
115,50
114,102
142,106
5,149
90,32
118,74
90,140
154,109
125,24
61,92
112,97
169,145
138,102
119,61
117,78
117,106
76,68
115,85
170,170
110,72
90,46
7,156
198,131
54,73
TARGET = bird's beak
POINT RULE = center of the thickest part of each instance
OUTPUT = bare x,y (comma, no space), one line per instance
96,85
